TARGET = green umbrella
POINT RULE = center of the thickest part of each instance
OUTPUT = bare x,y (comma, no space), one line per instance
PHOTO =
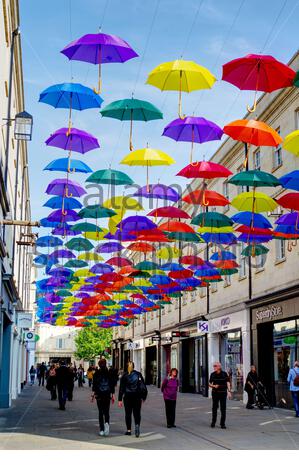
212,219
254,178
64,293
146,266
79,244
131,110
96,212
254,250
114,177
175,295
140,274
185,237
76,263
227,272
296,79
86,227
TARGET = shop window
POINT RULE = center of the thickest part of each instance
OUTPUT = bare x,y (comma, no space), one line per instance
280,250
231,359
60,343
277,154
257,159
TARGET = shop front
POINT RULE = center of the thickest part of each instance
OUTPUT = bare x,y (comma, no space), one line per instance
229,343
275,340
151,362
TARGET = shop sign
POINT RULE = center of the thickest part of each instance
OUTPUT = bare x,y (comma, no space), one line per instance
133,345
29,336
269,313
24,319
203,327
220,324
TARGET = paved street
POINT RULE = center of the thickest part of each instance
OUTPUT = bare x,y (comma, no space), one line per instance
34,422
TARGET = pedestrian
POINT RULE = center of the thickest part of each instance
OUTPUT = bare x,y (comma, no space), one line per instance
42,373
169,389
89,373
293,379
80,375
251,386
62,380
51,382
32,374
103,391
133,392
221,388
71,383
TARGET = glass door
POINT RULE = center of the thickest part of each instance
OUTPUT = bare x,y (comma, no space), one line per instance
231,358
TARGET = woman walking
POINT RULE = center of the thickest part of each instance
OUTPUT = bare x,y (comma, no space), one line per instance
169,389
103,391
133,392
251,386
32,374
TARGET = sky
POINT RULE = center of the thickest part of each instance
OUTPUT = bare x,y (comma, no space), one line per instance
209,32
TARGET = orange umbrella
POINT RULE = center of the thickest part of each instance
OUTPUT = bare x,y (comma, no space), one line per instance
226,264
169,211
127,270
206,198
141,246
173,226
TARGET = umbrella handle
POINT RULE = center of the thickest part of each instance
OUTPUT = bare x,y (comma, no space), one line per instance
289,247
64,212
181,115
253,108
67,194
131,131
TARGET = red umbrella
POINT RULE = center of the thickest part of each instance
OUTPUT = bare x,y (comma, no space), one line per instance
259,73
141,246
138,296
127,270
253,230
169,211
181,274
119,261
174,226
205,198
192,259
253,132
205,170
111,277
289,201
152,235
226,264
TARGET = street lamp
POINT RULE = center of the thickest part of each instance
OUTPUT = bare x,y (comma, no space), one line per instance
23,126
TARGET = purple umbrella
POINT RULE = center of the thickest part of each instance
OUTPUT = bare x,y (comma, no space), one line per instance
60,216
66,188
62,254
73,139
288,219
101,268
193,129
158,191
65,231
109,247
57,281
121,236
135,223
55,299
99,49
81,295
61,271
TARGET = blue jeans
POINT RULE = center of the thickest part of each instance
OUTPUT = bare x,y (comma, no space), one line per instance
295,396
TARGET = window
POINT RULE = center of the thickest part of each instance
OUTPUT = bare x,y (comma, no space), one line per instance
257,159
60,343
225,194
280,250
277,155
241,189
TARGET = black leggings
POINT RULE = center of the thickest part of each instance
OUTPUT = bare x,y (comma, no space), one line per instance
103,403
170,406
132,404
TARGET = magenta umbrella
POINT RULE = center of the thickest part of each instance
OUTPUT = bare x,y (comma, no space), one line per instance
63,216
73,139
99,49
193,129
65,187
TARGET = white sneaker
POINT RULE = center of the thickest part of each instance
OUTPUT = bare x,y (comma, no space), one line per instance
106,432
101,433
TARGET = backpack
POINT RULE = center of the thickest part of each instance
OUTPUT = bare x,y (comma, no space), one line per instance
296,379
103,384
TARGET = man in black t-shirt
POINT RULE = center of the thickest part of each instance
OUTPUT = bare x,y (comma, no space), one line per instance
221,388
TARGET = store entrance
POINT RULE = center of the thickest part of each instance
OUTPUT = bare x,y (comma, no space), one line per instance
202,366
231,358
188,366
151,365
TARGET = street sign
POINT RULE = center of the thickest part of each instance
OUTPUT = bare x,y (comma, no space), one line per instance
24,319
29,336
156,338
203,327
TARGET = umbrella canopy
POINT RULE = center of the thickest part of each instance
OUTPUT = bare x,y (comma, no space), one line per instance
73,139
212,219
223,255
176,226
65,164
76,263
95,211
205,170
254,178
253,220
193,129
56,202
61,187
169,211
291,143
181,75
143,247
254,201
101,268
48,241
288,219
90,257
205,198
259,73
254,250
109,247
62,254
290,180
63,216
136,223
253,132
289,201
113,177
119,261
158,191
79,244
70,95
65,231
86,227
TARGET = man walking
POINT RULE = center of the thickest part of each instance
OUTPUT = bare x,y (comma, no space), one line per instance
221,388
62,379
42,373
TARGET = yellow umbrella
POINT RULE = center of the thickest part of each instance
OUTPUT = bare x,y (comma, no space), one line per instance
291,143
181,75
254,201
91,256
147,157
215,229
168,252
123,203
84,272
96,235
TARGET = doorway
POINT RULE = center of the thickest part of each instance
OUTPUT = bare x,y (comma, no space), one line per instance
151,365
188,365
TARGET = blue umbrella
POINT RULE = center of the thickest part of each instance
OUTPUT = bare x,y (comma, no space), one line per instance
223,255
248,238
160,279
48,241
66,164
70,95
219,238
47,223
41,259
251,220
56,202
290,180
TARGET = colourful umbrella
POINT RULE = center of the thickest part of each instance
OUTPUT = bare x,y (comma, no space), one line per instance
253,220
254,250
259,73
193,129
63,216
142,247
254,178
290,180
62,254
66,188
48,241
158,191
79,244
212,219
205,170
119,261
176,226
109,247
135,223
76,263
254,201
147,157
74,140
95,211
169,211
63,164
111,177
56,202
65,231
99,49
205,198
223,255
289,201
132,110
253,132
291,143
181,75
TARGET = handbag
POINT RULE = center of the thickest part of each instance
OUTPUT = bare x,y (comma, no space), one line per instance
141,388
296,379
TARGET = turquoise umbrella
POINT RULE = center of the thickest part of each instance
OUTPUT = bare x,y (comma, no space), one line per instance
132,110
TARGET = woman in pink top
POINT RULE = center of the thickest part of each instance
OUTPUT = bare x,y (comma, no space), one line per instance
169,389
